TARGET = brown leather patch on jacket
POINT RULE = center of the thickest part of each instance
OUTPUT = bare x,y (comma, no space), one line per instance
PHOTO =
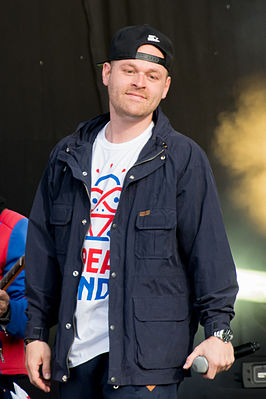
145,213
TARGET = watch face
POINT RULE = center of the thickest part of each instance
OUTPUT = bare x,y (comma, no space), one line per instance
227,335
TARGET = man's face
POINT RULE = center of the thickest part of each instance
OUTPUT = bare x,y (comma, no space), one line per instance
136,87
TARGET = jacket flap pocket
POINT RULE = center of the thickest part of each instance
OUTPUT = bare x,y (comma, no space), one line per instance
162,308
156,219
60,214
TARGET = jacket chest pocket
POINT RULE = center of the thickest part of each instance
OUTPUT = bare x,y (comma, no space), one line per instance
155,233
60,219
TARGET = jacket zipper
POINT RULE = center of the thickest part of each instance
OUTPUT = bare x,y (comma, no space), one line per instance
142,162
73,319
87,191
148,160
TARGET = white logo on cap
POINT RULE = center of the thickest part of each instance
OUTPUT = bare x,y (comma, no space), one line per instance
153,38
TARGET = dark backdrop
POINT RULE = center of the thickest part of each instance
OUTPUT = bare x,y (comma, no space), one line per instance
50,82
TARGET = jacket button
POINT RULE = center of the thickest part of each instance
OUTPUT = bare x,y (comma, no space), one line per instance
68,326
67,149
112,327
64,378
75,273
113,275
113,379
114,225
84,173
132,177
163,157
84,221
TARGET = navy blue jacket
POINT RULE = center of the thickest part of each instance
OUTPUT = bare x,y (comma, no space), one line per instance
170,262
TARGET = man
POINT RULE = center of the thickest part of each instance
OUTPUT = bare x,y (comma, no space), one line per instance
126,248
13,231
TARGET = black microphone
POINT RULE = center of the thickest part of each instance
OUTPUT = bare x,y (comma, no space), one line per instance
246,349
201,365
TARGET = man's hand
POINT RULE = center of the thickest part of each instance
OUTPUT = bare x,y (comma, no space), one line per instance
220,356
4,302
38,357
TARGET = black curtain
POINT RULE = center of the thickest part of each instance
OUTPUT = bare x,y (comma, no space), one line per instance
50,80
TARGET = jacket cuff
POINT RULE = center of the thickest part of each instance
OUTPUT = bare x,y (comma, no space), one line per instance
5,319
37,334
210,328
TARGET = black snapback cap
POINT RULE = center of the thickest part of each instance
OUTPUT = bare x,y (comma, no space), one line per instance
125,43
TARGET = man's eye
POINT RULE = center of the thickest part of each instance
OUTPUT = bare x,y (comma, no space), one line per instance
153,77
128,71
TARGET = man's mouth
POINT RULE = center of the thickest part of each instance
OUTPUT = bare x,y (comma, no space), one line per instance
136,94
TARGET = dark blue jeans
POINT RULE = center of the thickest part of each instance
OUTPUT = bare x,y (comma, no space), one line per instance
6,385
89,381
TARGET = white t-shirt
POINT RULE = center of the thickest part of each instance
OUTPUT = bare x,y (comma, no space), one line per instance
110,163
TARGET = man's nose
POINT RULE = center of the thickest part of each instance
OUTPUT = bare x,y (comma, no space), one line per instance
139,80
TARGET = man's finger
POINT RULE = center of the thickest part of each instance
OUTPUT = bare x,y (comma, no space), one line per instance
46,370
190,359
35,379
211,373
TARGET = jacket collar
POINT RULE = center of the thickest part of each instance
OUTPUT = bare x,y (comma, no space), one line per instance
79,144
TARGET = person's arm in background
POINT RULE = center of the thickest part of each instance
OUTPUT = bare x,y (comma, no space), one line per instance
13,302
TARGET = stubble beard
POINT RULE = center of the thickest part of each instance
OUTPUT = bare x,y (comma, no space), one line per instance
128,108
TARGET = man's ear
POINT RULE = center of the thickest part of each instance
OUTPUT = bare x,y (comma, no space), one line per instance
106,73
167,86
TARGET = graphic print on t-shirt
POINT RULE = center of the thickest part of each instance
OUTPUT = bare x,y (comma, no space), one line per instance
105,196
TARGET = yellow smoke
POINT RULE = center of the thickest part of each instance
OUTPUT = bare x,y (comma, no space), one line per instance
240,145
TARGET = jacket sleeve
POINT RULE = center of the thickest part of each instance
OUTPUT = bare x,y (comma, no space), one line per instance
43,279
16,291
204,245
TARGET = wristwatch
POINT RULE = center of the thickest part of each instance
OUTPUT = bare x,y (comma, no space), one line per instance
225,335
